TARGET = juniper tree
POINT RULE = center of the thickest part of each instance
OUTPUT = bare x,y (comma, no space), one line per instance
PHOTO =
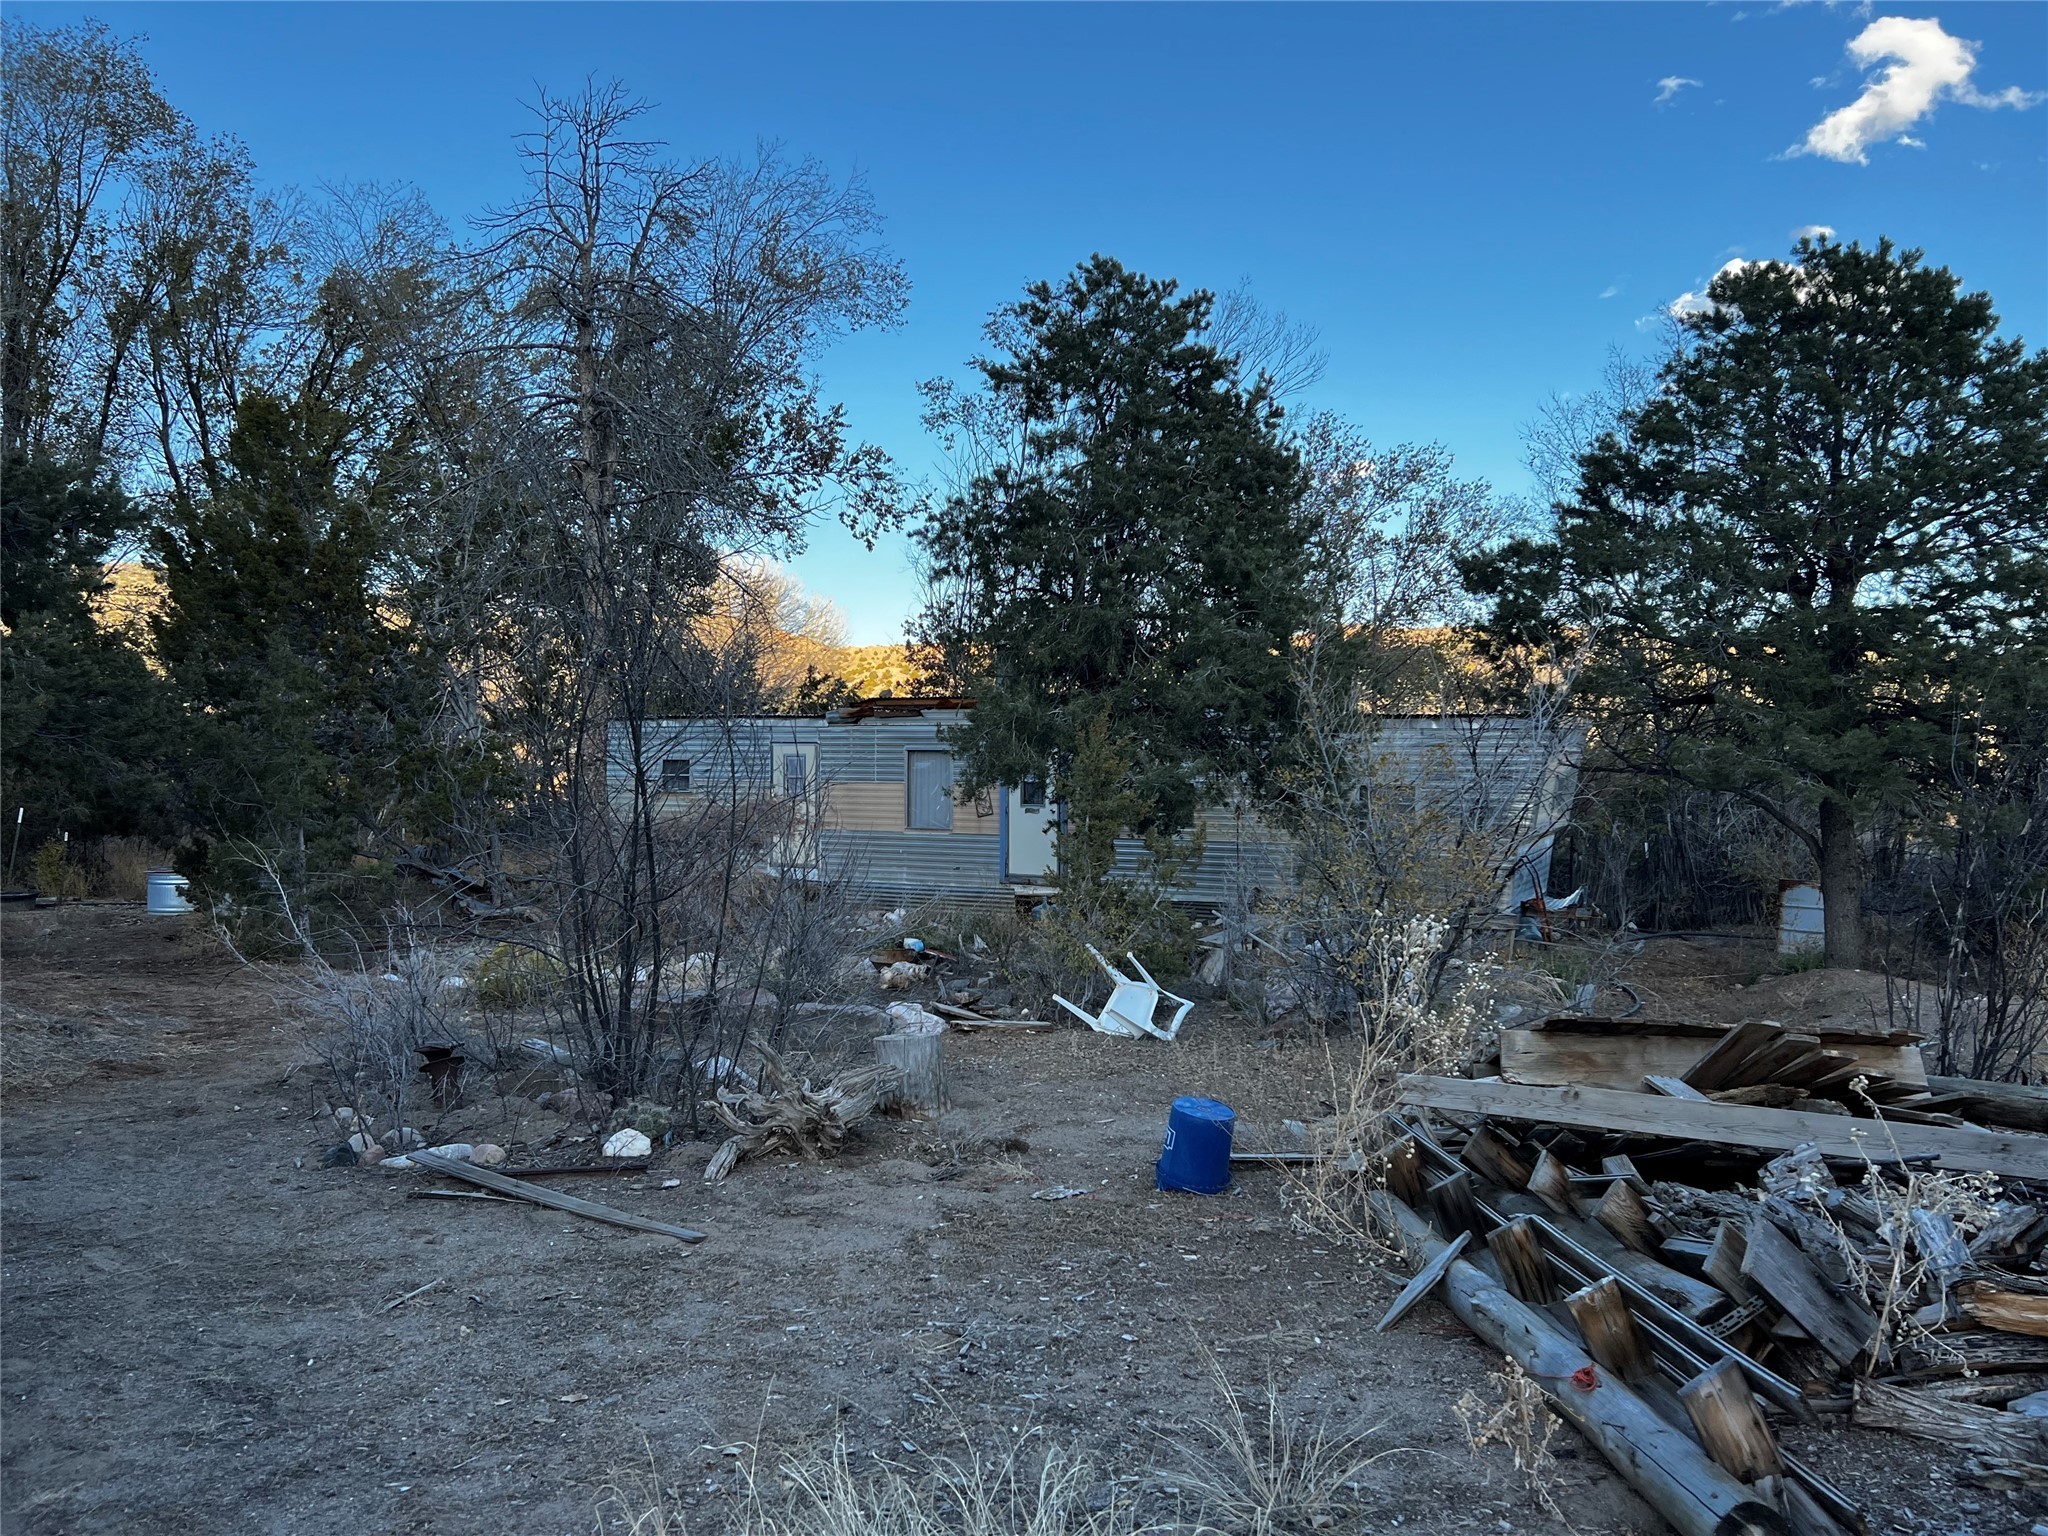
1128,545
1795,568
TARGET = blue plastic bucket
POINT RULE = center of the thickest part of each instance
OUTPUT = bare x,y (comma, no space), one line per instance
1197,1152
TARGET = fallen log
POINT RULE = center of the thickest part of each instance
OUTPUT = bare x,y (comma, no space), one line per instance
2008,1436
2010,1154
2009,1104
1674,1475
541,1195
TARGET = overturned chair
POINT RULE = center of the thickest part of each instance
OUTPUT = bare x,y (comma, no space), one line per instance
1131,1004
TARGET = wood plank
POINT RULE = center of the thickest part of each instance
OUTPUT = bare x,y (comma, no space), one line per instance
1718,1067
1609,1329
1673,1088
1523,1269
2009,1104
1425,1281
1622,1212
2010,1154
1556,1058
1772,1264
541,1195
1724,1411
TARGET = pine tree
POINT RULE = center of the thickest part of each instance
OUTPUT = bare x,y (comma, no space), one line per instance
1135,553
1798,568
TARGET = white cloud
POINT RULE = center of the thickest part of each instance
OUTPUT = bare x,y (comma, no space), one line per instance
1814,232
1695,301
1924,66
1610,291
1669,87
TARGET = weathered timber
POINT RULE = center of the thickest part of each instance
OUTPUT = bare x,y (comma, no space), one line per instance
541,1195
1557,1057
1487,1155
1424,1282
2010,1154
1671,1472
1724,1411
1772,1264
1523,1269
2008,1436
2009,1104
1622,1212
920,1061
1609,1329
1551,1182
1692,1297
1720,1066
1405,1176
1672,1087
1724,1261
1622,1166
1450,1202
2007,1311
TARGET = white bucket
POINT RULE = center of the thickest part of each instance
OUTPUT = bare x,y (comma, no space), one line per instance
167,892
1802,919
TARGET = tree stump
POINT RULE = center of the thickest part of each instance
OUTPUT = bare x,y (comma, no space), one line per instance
919,1058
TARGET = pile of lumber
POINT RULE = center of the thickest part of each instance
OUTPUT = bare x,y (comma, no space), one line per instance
784,1117
1716,1230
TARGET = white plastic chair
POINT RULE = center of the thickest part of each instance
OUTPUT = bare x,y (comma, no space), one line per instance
1131,1005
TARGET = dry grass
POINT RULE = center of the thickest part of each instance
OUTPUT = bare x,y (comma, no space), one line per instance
1254,1471
120,866
1515,1416
1248,1469
1023,1487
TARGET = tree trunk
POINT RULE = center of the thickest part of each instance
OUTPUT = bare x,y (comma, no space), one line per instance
1841,886
921,1060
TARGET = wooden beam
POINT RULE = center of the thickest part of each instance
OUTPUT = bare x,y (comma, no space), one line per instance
2000,1103
1772,1264
1609,1329
1487,1155
1555,1058
1523,1269
1551,1182
1718,1067
1622,1212
1424,1282
1724,1411
2010,1154
540,1194
1673,1088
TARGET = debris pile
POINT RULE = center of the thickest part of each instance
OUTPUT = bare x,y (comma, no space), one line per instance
779,1116
1688,1234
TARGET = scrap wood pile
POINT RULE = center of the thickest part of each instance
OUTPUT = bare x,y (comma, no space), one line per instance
780,1116
1690,1234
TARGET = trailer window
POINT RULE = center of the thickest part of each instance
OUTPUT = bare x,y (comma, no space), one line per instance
931,792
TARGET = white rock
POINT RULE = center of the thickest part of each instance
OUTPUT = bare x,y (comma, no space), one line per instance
454,1151
400,1163
487,1154
910,1019
406,1139
346,1115
361,1143
627,1143
671,1183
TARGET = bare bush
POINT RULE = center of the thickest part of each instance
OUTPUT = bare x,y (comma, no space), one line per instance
1514,1414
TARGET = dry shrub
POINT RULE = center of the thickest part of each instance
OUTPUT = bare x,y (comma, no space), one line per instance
1514,1414
120,866
1256,1472
53,874
1405,1029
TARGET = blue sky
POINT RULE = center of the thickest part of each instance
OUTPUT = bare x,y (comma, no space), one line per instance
1471,202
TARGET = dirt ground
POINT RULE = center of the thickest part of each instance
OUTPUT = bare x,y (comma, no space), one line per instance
199,1332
